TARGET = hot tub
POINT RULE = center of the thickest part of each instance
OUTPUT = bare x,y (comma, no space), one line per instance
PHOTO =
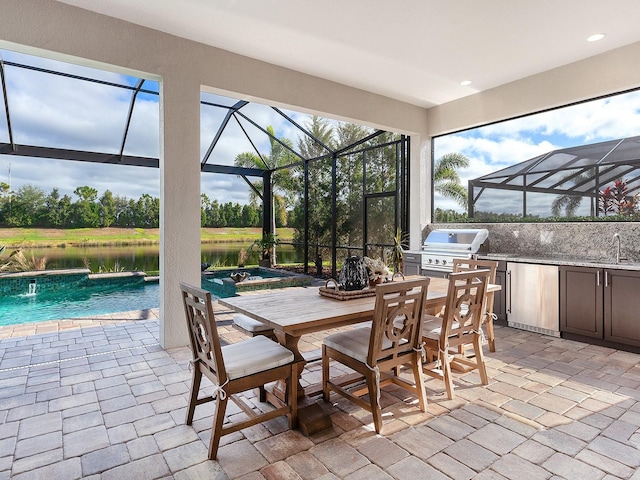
220,283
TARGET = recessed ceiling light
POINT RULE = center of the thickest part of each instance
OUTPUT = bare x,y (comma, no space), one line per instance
464,83
595,37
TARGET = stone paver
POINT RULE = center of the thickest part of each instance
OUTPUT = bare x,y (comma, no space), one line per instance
338,457
572,469
111,403
515,467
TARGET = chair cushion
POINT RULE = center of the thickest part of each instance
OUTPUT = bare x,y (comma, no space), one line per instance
249,324
254,355
432,327
354,343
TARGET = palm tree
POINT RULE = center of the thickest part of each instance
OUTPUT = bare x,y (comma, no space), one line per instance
446,180
570,203
283,181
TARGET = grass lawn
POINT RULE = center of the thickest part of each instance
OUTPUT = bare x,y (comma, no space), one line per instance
49,237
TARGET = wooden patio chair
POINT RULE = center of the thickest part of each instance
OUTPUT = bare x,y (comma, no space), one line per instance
378,352
459,325
232,369
465,264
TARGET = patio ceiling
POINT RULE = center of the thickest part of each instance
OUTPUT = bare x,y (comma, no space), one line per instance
417,51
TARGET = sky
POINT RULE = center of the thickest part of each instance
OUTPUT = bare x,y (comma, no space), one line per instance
497,146
50,110
55,111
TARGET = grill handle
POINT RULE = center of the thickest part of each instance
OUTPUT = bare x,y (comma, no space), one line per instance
508,291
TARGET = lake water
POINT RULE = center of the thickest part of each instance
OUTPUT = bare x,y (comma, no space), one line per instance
146,257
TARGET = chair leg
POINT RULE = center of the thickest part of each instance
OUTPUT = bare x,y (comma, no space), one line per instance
373,389
482,368
216,429
262,393
292,394
490,334
196,378
446,371
325,374
418,379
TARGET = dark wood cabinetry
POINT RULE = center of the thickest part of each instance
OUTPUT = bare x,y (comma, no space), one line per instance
622,307
581,301
600,303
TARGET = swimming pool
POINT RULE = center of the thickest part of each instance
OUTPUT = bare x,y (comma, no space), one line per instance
57,295
77,302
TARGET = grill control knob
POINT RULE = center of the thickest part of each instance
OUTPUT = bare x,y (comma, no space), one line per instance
430,260
444,262
437,261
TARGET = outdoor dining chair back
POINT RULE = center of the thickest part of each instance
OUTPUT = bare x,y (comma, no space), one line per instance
458,326
466,264
232,369
377,352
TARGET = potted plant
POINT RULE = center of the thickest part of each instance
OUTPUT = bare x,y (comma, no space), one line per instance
265,246
397,251
377,269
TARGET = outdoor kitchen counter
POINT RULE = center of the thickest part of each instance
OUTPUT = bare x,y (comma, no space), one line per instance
561,260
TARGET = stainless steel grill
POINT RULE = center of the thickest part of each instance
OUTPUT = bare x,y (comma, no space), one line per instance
443,245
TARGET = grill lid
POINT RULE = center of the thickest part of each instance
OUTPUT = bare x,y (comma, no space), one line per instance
455,240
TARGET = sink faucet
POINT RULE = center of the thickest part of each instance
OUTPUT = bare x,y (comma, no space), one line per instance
616,242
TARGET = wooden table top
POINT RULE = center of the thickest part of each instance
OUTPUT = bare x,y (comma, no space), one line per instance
304,310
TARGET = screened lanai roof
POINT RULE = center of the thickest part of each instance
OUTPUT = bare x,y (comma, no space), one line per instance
92,115
582,171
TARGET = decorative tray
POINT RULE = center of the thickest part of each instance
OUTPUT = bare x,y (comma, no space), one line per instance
332,291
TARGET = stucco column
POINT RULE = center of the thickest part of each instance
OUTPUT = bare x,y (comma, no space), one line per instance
179,200
419,188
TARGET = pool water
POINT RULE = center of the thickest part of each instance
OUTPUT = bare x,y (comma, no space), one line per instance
78,302
221,284
101,298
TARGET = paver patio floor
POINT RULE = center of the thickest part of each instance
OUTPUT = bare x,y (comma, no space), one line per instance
100,399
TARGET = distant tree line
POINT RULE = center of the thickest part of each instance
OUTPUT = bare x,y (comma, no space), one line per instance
30,206
216,214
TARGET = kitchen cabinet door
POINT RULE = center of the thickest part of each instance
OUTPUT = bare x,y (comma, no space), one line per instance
581,301
622,307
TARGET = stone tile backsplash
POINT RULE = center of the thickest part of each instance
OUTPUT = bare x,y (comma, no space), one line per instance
582,240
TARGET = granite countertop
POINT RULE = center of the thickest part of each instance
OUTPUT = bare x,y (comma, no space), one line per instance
568,260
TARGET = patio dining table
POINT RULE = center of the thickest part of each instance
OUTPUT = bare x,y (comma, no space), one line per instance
296,312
